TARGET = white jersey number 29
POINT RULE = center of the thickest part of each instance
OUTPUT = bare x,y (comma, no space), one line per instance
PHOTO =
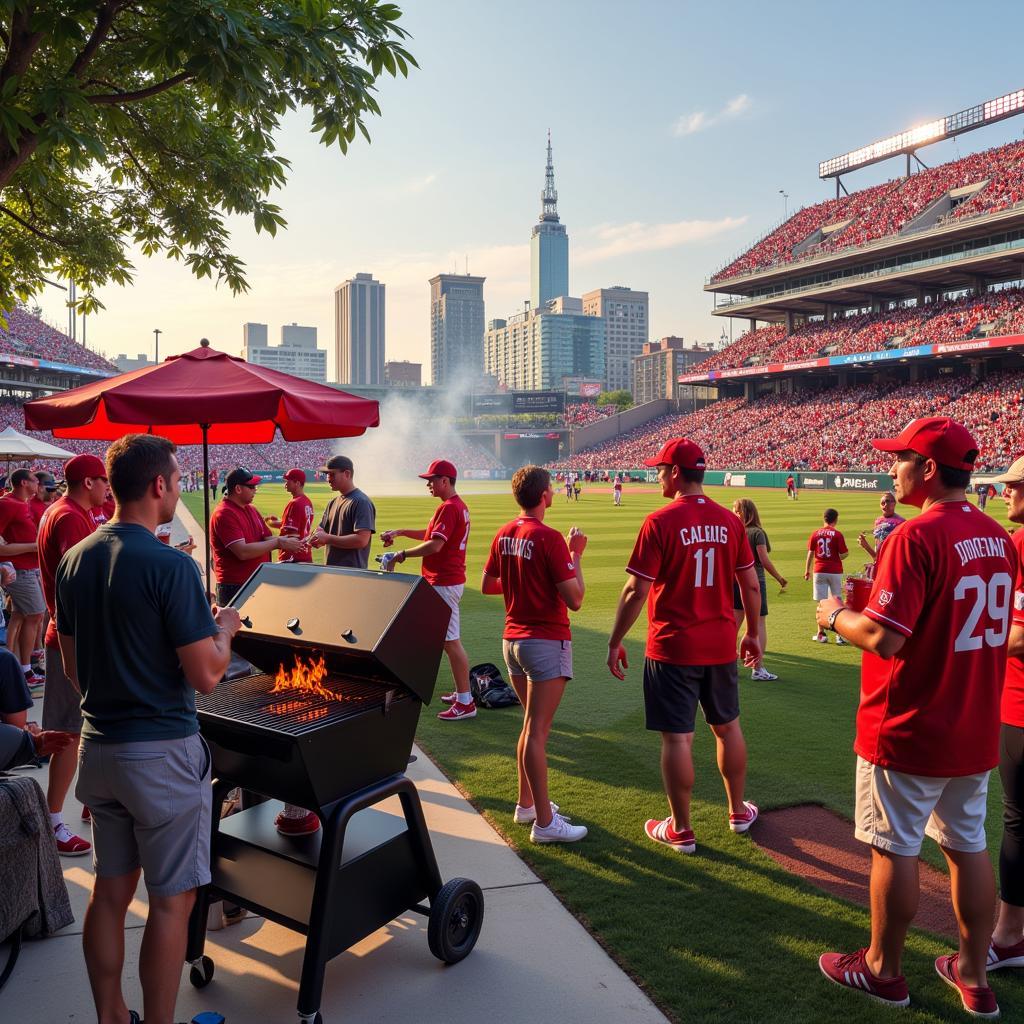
992,598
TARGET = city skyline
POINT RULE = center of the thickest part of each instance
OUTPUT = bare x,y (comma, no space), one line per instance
663,181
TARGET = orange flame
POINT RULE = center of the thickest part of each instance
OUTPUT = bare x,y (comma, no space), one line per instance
305,679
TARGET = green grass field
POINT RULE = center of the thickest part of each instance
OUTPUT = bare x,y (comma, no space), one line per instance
725,935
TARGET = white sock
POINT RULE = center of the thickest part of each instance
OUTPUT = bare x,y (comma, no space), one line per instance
26,669
56,820
464,698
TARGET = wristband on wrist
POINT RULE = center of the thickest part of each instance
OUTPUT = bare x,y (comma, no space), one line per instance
832,618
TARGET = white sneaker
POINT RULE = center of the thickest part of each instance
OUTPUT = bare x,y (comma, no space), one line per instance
528,815
559,831
820,638
840,641
763,675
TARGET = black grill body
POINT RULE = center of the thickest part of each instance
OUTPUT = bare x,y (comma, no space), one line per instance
340,752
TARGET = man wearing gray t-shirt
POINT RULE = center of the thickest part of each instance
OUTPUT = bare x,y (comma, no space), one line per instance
348,522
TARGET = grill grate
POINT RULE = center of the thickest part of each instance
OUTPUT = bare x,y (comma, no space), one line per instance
248,701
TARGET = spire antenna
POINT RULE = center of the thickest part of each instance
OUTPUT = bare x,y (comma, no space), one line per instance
549,197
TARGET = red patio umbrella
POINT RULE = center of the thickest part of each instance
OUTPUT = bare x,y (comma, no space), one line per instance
204,397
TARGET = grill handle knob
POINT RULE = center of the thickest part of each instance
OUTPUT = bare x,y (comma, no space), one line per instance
246,621
349,636
292,624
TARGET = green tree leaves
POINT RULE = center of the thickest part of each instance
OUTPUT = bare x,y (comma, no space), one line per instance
149,123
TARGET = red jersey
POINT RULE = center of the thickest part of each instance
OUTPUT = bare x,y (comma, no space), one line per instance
297,521
531,559
691,549
18,527
63,526
828,544
945,581
38,507
229,524
105,512
450,522
1013,688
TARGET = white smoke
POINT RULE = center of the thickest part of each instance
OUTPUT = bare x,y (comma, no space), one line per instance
413,432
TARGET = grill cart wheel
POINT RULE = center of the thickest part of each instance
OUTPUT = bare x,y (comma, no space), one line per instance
456,916
201,973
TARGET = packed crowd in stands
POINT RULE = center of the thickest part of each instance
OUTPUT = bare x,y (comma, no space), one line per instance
579,414
993,313
887,209
827,430
27,335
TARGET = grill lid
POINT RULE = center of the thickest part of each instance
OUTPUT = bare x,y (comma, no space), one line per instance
386,627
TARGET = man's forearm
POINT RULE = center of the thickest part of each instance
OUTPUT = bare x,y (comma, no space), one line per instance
579,575
222,645
10,550
346,540
253,549
630,606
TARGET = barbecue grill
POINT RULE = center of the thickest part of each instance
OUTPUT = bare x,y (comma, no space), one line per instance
342,661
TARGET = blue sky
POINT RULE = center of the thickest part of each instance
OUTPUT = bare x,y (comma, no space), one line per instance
674,127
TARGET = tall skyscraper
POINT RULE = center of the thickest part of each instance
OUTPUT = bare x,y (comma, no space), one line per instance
627,317
555,339
254,334
549,246
359,330
456,328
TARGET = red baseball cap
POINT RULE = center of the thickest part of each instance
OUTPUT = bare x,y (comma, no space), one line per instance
295,474
678,452
936,437
84,467
440,467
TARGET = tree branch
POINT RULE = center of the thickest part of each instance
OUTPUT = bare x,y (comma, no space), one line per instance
28,227
139,94
104,23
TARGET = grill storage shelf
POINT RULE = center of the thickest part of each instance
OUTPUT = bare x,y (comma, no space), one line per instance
338,751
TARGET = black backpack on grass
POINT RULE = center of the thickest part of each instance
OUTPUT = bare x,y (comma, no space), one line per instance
489,688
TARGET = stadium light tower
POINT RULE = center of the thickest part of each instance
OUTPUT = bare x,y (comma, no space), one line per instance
785,202
156,344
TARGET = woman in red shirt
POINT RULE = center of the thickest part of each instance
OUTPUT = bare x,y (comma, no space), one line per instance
540,577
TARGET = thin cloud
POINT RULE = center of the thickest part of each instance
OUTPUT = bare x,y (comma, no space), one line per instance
689,124
613,240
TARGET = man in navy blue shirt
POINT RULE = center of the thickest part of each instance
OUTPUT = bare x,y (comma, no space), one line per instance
138,639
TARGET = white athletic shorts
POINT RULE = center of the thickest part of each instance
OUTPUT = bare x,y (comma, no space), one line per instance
452,596
826,583
895,811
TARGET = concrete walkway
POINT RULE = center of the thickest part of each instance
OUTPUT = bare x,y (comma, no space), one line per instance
534,961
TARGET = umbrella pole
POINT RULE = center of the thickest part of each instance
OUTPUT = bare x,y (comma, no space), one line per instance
206,500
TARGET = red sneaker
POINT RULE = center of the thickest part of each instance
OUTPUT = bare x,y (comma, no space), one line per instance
741,822
68,844
86,814
457,712
850,970
662,832
1005,956
304,826
978,1002
450,698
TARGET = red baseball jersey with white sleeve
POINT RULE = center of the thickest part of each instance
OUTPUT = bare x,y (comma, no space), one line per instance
828,544
691,549
945,580
297,521
63,526
531,559
1013,688
450,523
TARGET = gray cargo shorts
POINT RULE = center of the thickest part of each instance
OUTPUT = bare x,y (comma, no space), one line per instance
151,808
26,592
62,702
538,659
